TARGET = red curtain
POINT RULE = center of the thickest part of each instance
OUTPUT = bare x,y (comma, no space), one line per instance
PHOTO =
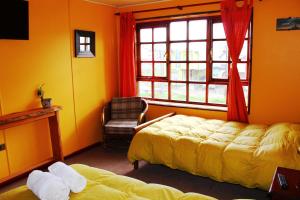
127,59
236,22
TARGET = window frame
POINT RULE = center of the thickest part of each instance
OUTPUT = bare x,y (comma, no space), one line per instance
209,60
92,49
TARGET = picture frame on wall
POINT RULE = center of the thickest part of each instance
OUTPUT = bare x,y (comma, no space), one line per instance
291,23
84,44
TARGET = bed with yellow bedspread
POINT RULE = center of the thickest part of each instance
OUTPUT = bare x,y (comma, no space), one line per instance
105,185
245,154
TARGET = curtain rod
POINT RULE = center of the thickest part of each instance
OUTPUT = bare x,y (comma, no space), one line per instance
179,15
177,7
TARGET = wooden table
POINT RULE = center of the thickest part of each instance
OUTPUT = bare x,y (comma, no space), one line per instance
20,118
293,181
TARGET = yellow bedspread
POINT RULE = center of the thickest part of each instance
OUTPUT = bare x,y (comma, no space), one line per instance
224,151
105,185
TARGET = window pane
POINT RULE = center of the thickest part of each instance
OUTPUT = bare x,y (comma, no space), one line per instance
197,92
82,48
88,48
197,72
160,69
197,51
160,34
81,40
242,68
178,71
220,70
218,31
178,91
87,39
178,51
220,51
160,52
217,94
246,93
197,29
178,30
146,35
161,90
146,52
144,89
243,55
146,69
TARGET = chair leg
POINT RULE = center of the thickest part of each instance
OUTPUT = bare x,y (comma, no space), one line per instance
136,165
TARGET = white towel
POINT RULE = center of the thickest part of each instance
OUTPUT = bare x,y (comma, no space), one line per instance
46,186
73,179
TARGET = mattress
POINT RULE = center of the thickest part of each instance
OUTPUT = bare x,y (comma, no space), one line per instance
245,154
105,185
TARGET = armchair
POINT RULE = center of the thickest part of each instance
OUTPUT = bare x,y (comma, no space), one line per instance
121,116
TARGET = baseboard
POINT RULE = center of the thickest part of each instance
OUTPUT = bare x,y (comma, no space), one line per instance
83,149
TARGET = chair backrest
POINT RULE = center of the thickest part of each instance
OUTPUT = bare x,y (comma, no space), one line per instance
126,107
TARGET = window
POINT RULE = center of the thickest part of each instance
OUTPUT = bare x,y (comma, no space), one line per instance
187,61
84,43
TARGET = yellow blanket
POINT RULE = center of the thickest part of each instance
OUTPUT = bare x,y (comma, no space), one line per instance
105,185
224,151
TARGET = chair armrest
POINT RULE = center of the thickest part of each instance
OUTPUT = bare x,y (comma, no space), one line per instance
106,114
142,116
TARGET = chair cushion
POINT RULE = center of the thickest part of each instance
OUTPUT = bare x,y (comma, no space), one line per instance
126,107
120,126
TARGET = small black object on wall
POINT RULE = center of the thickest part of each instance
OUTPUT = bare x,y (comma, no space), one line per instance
14,20
84,44
291,23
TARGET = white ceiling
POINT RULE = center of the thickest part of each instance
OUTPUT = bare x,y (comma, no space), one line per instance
123,3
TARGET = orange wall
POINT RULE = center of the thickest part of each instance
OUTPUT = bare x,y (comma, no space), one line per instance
276,64
275,82
94,79
80,85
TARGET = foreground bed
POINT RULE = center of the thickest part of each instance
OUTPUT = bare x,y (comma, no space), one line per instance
105,185
224,151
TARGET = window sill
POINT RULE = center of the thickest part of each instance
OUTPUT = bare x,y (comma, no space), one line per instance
185,105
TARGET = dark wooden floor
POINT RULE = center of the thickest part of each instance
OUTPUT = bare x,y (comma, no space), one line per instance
115,160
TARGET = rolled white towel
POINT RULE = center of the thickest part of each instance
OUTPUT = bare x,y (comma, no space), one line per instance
73,179
46,186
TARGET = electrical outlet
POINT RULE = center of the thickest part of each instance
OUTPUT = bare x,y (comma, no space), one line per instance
2,147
